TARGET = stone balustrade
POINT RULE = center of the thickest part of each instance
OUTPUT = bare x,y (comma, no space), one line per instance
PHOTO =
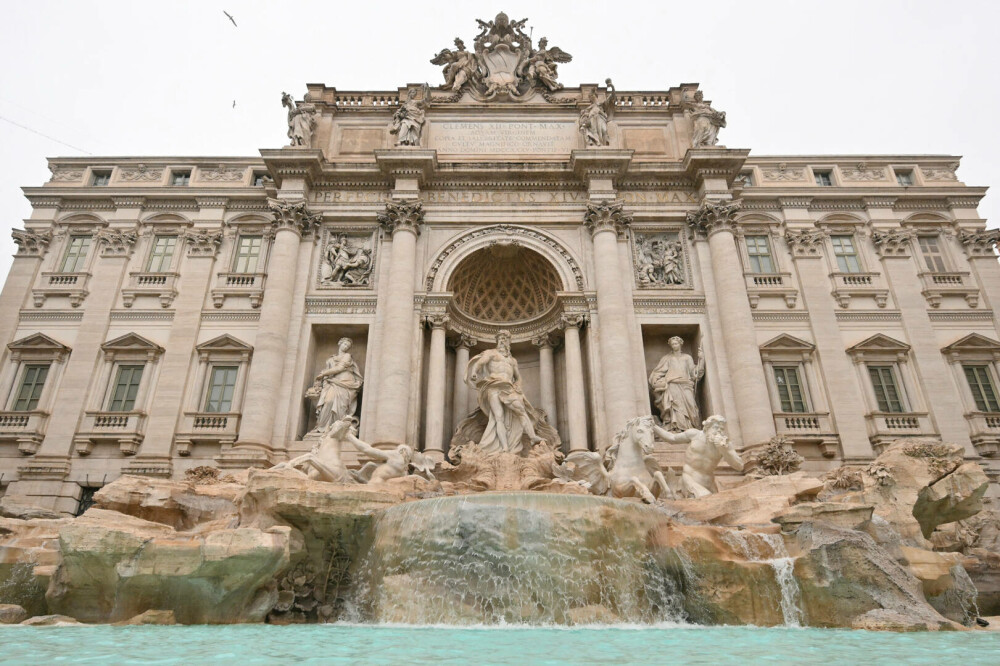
250,285
70,285
158,285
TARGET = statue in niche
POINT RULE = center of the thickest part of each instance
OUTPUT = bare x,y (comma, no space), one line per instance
674,381
323,462
301,121
595,117
460,66
408,121
659,261
706,449
627,469
336,387
345,265
541,64
510,417
707,121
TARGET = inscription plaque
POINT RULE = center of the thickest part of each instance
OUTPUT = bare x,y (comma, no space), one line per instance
503,137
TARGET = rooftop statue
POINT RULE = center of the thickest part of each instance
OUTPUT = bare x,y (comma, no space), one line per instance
707,121
301,121
706,449
408,121
595,116
503,62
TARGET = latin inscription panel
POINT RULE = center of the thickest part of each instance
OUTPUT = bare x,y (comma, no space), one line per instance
464,138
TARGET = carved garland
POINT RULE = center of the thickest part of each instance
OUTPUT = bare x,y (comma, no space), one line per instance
503,230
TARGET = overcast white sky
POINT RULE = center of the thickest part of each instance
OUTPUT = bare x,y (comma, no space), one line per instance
144,78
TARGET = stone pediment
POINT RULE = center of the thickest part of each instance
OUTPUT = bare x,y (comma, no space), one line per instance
973,342
38,342
785,342
225,344
879,343
131,342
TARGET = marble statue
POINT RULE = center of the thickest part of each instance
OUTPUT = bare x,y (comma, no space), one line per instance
408,121
323,462
541,64
627,468
336,387
301,121
460,66
390,464
595,116
495,375
346,265
674,381
706,449
707,121
659,261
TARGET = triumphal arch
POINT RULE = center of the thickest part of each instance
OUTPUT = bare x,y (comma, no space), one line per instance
499,258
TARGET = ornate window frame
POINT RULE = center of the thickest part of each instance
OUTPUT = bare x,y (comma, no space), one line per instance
27,428
160,284
869,281
936,285
230,283
780,283
978,349
52,280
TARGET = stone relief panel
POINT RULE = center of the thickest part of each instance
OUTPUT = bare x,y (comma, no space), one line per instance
347,260
659,260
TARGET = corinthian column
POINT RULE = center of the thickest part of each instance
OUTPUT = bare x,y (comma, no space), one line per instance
436,370
460,401
402,220
714,221
292,220
576,403
547,378
606,219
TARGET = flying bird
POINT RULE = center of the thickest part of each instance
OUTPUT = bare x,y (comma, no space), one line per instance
234,103
230,17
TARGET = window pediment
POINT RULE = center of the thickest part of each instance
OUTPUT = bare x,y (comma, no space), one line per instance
973,347
38,346
879,346
131,345
786,347
224,346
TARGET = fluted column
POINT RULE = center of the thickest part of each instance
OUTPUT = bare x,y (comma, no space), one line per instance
547,378
436,370
576,402
403,221
606,219
292,220
460,399
715,221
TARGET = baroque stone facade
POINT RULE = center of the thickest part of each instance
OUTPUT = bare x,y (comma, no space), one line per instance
163,314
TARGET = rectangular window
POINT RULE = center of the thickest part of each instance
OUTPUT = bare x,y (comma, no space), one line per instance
76,254
984,392
759,252
32,383
180,178
747,178
904,178
823,178
886,389
931,249
221,384
789,389
161,254
247,254
101,178
126,388
847,255
258,178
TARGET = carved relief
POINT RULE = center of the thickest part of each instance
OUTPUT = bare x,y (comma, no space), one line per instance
31,243
980,243
140,174
222,174
862,172
806,242
713,216
782,173
658,260
939,173
347,261
67,175
893,242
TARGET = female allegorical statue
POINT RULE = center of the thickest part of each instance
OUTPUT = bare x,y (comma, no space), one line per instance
673,381
336,388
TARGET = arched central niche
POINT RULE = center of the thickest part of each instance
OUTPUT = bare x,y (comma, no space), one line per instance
504,285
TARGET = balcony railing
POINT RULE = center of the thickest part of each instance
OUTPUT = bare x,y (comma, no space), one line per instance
885,426
770,284
239,284
157,285
849,285
815,427
985,430
25,428
938,285
71,285
195,427
125,428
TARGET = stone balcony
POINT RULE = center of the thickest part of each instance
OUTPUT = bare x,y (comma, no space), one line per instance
985,430
938,285
158,285
883,427
222,428
127,429
71,285
25,428
814,427
770,284
250,285
850,285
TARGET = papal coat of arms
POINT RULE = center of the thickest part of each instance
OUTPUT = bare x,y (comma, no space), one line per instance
504,62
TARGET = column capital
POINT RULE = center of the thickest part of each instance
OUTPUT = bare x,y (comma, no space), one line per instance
713,216
576,320
463,340
31,243
116,243
806,243
893,242
436,320
543,341
607,215
980,243
202,243
405,215
293,215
